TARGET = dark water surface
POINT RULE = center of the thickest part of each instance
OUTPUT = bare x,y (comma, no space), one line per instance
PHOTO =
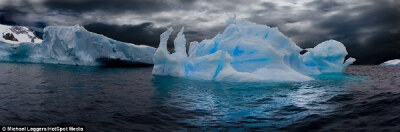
129,99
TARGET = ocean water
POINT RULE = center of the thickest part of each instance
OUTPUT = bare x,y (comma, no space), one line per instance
131,99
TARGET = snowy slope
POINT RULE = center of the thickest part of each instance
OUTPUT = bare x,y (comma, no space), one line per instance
17,34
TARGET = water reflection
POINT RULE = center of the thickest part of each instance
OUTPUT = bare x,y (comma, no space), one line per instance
123,99
271,104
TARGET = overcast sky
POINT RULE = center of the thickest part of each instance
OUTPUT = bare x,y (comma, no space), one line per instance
370,29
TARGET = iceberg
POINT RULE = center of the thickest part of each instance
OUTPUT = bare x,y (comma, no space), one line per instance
395,62
76,46
247,52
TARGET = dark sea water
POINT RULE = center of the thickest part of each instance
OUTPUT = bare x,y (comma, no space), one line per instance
366,98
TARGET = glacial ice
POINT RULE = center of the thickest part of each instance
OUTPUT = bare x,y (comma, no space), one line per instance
247,52
395,62
76,46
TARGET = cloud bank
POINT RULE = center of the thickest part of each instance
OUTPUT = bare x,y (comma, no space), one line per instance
370,29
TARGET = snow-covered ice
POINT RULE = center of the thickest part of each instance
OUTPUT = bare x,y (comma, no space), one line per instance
395,62
247,52
74,45
17,34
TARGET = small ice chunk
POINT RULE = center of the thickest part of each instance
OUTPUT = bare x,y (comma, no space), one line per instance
395,62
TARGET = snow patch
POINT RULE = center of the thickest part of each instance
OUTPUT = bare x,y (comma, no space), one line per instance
17,34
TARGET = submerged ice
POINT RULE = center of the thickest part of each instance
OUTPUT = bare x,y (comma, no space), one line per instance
77,46
247,51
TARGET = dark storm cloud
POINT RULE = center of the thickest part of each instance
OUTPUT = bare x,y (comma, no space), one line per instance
138,34
4,19
144,33
117,6
326,5
369,29
7,15
370,32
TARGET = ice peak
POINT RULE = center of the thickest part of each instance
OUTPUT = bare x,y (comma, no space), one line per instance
231,20
180,42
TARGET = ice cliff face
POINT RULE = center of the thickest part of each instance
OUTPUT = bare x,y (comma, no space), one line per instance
395,62
247,51
77,46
